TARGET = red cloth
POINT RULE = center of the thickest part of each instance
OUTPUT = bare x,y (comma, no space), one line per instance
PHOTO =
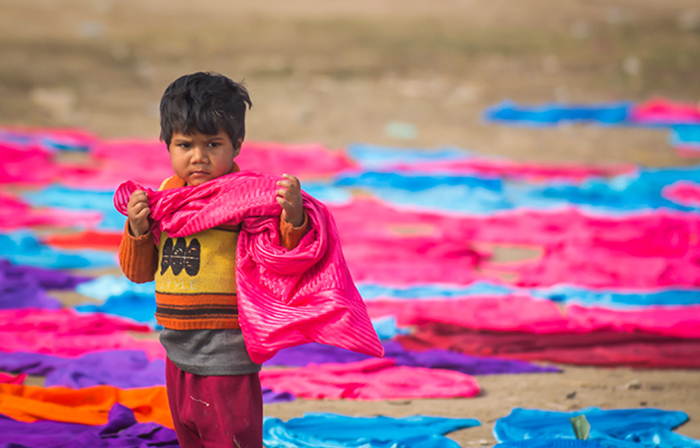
285,298
215,411
599,348
89,239
372,379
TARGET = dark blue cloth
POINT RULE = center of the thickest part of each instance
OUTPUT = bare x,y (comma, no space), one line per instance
319,430
644,427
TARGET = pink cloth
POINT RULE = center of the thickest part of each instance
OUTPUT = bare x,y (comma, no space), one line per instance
509,168
643,251
285,298
68,333
662,111
6,378
683,192
372,379
15,214
539,316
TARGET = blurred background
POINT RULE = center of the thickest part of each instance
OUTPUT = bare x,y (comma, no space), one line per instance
337,72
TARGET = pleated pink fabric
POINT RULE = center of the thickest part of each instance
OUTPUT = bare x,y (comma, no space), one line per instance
371,379
285,297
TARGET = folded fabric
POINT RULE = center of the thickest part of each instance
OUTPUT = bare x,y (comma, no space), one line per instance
285,298
304,355
599,348
372,379
24,248
88,406
622,428
660,111
552,114
321,430
121,431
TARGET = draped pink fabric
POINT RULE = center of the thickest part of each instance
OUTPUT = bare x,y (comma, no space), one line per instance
285,298
662,111
528,315
372,379
685,193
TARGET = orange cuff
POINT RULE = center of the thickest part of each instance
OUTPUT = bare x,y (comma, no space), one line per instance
290,235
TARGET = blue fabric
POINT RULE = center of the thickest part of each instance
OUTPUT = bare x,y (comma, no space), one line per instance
370,291
471,194
644,427
687,135
106,286
23,248
56,196
386,327
327,193
608,298
138,306
550,443
317,430
372,157
508,112
46,141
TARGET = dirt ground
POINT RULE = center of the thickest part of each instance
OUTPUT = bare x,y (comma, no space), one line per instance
338,72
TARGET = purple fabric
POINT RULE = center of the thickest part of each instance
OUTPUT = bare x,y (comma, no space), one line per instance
122,431
25,286
436,359
120,368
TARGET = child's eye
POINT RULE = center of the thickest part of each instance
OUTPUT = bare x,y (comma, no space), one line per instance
185,145
214,144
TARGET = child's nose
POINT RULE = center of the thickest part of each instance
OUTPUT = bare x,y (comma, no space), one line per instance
199,155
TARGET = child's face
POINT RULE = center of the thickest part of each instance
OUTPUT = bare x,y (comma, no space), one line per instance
198,158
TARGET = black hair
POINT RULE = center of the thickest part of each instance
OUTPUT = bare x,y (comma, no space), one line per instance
204,102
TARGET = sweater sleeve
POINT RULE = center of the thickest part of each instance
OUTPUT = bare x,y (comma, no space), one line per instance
138,257
290,235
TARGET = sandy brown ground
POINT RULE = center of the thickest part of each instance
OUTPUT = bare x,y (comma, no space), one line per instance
337,72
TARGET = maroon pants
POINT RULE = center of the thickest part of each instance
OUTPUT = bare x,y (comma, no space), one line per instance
215,411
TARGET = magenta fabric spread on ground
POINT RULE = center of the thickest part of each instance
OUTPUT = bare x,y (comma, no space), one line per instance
685,193
539,316
285,298
68,333
372,379
661,111
509,168
646,250
16,214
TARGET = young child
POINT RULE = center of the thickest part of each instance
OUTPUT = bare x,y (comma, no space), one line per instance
213,385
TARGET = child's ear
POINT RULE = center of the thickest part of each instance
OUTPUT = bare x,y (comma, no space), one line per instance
237,147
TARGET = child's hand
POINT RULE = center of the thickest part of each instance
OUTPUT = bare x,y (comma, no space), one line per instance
289,197
138,212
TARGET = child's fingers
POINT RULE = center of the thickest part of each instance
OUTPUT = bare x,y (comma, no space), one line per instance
293,180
